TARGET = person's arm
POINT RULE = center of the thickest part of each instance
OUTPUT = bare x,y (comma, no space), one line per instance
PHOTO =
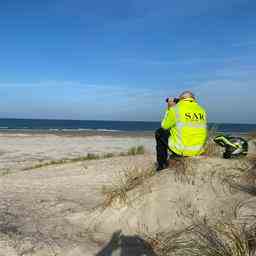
169,119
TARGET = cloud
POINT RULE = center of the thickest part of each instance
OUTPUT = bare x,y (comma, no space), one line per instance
226,100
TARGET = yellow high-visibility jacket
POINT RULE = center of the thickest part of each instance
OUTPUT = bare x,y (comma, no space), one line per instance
187,122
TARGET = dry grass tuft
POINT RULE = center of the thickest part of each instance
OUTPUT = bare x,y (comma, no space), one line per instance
211,148
183,165
222,240
246,182
205,240
247,188
163,243
184,169
126,181
139,150
252,135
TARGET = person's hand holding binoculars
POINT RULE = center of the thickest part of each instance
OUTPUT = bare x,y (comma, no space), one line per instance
171,102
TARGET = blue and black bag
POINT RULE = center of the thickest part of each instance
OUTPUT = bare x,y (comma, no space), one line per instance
234,146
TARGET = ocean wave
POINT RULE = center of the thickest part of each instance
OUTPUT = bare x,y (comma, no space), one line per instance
85,129
59,129
75,129
14,128
88,130
107,130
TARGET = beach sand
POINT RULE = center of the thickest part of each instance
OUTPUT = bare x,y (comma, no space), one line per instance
19,151
60,209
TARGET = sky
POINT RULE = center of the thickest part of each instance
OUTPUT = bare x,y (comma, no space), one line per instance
119,60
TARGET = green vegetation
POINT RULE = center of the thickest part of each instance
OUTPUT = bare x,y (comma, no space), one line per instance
90,156
139,150
108,155
4,172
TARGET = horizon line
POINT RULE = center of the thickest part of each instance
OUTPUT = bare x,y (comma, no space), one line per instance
99,120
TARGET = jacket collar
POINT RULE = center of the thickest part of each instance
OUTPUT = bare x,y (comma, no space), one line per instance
188,99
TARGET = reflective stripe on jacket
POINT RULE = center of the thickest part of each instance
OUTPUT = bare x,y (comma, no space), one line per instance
187,122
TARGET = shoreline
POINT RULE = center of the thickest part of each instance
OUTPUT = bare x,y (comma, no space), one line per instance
107,133
77,133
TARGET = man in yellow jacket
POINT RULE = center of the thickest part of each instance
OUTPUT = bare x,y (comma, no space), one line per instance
183,130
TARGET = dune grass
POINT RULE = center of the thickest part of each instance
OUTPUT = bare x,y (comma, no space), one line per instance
205,240
139,150
221,239
252,135
125,182
4,172
235,238
211,148
89,156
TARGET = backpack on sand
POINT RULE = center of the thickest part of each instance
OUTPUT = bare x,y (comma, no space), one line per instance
234,146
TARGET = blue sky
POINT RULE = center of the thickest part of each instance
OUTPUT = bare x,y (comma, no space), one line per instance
118,60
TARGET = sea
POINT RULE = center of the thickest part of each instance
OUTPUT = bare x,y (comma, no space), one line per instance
104,126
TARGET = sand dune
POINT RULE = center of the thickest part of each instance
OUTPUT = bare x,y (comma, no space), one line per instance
61,210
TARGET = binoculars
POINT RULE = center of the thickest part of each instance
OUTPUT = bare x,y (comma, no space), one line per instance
175,100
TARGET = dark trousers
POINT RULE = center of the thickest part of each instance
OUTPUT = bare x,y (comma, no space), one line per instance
162,137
